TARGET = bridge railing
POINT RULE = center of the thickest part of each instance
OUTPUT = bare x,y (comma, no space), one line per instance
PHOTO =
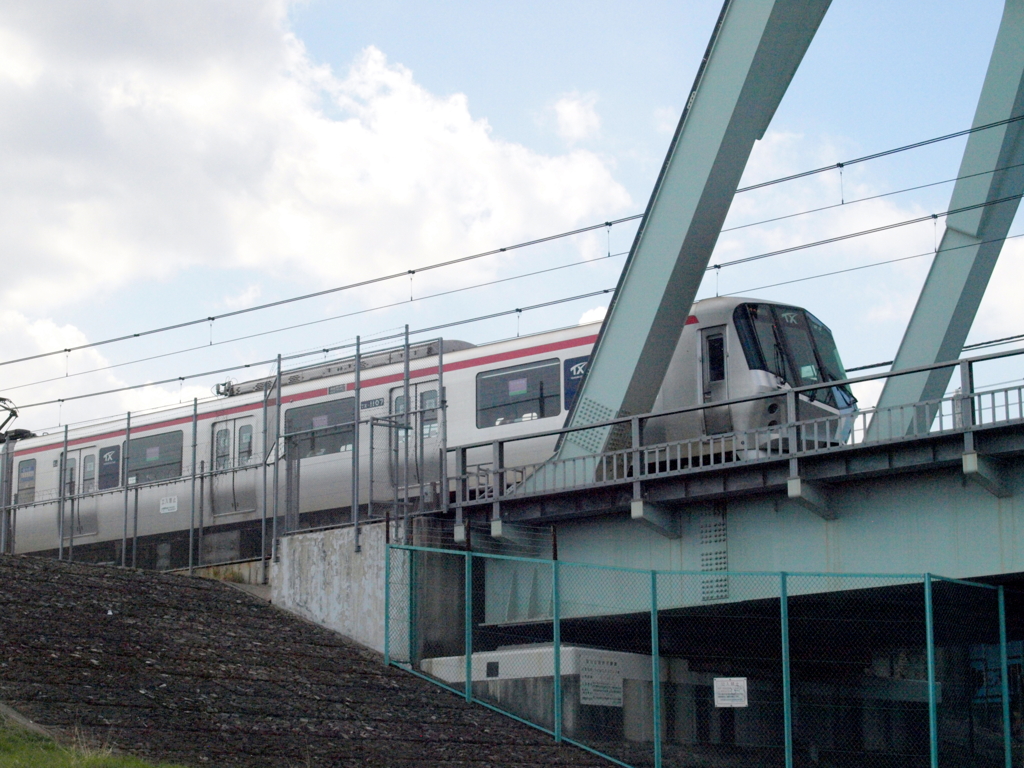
629,457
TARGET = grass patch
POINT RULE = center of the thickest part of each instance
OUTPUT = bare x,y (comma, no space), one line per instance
22,749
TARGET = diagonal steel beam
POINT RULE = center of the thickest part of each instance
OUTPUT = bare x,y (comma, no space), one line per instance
973,239
754,51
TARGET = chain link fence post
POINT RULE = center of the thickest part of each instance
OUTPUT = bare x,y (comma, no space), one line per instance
556,641
1004,683
387,605
787,683
933,717
655,671
468,629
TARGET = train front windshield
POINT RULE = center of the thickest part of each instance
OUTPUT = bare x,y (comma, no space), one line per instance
794,345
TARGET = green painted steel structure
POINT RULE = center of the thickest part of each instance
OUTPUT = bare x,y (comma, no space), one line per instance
754,51
990,187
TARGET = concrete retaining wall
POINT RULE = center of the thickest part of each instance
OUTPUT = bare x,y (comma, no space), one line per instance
320,577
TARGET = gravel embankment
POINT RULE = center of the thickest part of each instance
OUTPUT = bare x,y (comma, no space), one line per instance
195,672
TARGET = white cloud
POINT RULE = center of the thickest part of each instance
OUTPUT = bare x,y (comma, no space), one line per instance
576,116
245,298
665,119
593,315
51,376
142,139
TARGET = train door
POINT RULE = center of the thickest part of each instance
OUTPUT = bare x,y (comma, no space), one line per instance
714,372
422,455
79,481
233,485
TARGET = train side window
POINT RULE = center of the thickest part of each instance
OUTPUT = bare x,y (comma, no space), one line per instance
715,357
89,473
244,444
110,467
26,481
69,477
428,418
519,393
322,428
222,448
155,457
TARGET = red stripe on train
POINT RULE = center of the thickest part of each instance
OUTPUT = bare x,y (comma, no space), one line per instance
365,383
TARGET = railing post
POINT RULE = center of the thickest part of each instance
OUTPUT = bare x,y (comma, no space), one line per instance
277,466
461,483
497,478
407,426
791,428
1004,683
933,716
655,671
634,443
967,413
124,479
355,449
442,416
264,576
468,613
5,512
192,506
62,488
787,681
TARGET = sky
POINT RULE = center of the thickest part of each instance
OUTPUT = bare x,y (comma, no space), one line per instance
167,162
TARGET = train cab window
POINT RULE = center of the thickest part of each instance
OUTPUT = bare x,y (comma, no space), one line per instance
222,449
792,344
154,457
89,473
520,393
244,444
800,346
755,325
321,428
827,351
110,467
26,481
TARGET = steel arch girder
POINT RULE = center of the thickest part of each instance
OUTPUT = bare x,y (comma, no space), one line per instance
973,239
753,54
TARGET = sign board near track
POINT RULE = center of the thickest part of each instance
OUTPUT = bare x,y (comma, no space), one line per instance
730,691
600,681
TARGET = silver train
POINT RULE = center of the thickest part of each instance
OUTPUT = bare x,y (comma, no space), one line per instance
729,348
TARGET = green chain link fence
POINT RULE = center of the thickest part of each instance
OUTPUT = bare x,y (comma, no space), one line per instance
765,669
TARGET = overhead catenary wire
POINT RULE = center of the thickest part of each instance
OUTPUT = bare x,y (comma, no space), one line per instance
868,266
966,347
863,232
884,153
317,350
582,262
748,259
494,251
243,366
717,266
315,294
854,201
